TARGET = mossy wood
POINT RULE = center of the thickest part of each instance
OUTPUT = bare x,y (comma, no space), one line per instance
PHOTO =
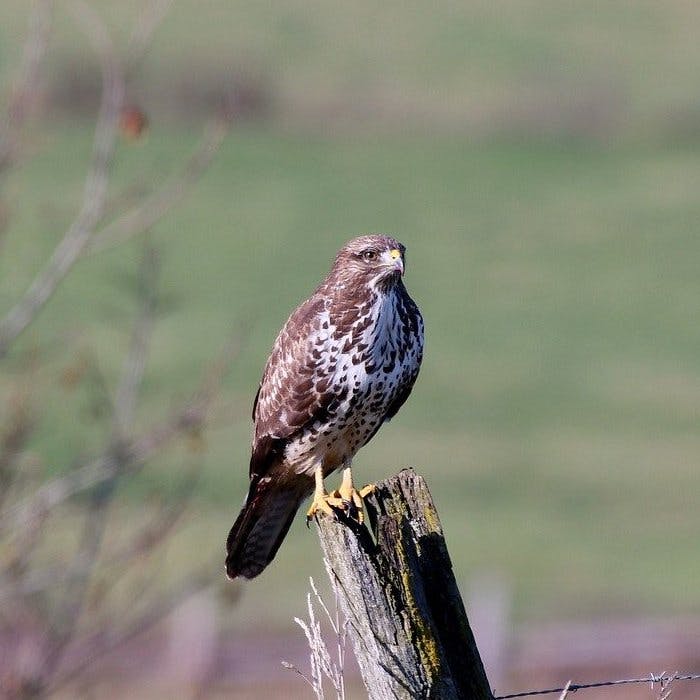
407,621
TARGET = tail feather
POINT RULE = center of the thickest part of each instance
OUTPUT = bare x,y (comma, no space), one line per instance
259,529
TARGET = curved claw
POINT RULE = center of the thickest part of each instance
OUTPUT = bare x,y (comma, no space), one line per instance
347,499
353,497
320,504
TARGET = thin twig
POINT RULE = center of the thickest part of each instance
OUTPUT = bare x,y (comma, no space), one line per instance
82,237
13,439
67,252
97,508
143,216
15,581
146,543
188,419
61,597
154,532
140,40
24,92
157,610
135,363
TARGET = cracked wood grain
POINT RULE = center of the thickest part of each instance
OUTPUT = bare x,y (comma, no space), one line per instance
408,626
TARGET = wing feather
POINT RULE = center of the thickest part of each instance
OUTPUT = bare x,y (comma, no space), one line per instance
293,391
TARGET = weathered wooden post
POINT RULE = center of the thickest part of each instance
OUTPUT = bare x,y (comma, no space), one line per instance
407,621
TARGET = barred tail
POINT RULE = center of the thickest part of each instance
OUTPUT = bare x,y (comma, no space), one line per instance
259,529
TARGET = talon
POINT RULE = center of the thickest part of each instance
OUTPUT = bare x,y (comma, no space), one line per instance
323,502
319,506
366,490
346,499
353,497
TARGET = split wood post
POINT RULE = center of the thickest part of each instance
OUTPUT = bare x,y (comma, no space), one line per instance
406,618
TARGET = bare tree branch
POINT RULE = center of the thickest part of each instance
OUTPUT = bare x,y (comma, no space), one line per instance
24,93
147,538
101,644
143,216
188,419
68,251
77,580
13,439
51,603
16,581
138,554
135,363
140,40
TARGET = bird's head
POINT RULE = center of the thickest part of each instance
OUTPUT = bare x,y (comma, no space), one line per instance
374,260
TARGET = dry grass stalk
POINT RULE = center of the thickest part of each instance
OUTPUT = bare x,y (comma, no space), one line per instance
324,665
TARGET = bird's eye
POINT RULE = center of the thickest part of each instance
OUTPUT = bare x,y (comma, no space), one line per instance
369,255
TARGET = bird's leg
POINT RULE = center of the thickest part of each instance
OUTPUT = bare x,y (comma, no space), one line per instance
352,499
321,497
347,498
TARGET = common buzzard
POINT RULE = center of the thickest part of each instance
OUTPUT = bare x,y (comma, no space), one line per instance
344,362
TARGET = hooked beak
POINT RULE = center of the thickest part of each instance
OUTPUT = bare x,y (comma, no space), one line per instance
394,260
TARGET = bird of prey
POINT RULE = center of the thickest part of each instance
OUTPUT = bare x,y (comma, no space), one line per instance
343,364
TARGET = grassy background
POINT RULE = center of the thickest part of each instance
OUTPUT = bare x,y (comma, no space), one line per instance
543,172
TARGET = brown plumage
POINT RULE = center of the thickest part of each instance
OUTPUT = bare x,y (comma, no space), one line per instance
344,362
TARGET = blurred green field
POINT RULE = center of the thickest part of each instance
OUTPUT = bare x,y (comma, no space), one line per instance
556,416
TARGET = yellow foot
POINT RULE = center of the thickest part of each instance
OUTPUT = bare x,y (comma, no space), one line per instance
321,504
350,500
347,499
